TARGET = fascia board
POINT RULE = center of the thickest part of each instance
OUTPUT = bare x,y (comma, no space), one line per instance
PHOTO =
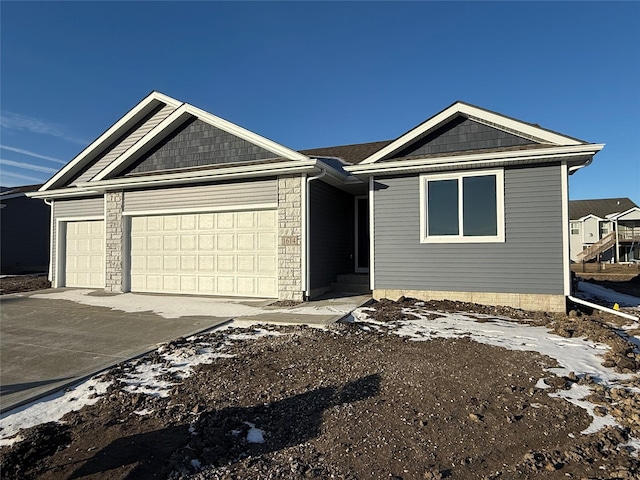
177,117
462,108
591,215
131,117
64,193
229,173
522,155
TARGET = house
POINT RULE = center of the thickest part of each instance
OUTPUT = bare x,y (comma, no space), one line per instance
605,230
469,205
24,232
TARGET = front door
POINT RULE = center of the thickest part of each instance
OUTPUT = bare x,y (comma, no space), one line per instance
362,234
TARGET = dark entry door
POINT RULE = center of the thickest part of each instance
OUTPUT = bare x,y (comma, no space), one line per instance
362,234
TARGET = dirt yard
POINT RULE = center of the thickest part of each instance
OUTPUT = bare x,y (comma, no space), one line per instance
23,283
354,401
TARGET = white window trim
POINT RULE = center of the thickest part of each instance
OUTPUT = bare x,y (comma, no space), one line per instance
575,226
499,238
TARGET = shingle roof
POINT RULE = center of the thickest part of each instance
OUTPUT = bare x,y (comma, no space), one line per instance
600,207
21,189
349,153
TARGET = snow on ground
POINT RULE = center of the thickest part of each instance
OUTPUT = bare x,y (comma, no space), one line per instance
50,408
168,306
590,291
578,355
144,376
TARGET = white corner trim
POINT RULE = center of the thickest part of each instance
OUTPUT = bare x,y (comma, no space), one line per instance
372,243
464,109
217,209
141,109
460,238
566,256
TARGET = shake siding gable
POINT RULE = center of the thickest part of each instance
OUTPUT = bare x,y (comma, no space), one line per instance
123,144
462,134
196,144
529,261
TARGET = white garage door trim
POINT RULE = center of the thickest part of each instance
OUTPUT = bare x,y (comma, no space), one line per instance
224,252
61,254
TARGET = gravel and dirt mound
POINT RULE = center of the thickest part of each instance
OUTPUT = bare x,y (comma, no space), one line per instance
23,283
346,402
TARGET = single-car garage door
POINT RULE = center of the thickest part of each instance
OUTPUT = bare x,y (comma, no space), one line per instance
226,253
84,254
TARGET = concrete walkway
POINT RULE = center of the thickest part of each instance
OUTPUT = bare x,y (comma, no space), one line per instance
54,338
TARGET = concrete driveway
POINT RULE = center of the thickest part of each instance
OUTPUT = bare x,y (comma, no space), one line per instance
54,338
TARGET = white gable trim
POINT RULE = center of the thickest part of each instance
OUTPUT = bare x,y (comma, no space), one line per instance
180,116
459,108
135,114
618,216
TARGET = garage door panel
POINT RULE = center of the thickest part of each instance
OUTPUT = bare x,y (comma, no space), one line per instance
84,254
227,253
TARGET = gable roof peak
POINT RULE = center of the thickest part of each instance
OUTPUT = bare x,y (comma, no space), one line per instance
477,114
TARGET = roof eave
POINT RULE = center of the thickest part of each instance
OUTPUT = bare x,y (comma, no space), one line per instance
576,156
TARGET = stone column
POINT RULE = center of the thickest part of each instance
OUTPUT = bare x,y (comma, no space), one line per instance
290,238
114,244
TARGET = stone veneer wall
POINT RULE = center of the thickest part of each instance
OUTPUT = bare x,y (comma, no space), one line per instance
290,238
114,242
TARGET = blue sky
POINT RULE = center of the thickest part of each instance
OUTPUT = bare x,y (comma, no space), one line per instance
319,74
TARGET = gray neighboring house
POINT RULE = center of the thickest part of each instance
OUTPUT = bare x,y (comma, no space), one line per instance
469,205
605,230
24,232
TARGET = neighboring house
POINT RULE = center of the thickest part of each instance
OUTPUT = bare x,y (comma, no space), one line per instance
469,205
24,232
593,227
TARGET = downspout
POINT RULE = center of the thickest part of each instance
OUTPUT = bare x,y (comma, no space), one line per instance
307,248
51,219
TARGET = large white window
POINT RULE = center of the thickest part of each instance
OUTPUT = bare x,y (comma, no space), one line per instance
462,207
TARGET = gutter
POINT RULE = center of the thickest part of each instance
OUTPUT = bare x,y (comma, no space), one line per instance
306,230
603,309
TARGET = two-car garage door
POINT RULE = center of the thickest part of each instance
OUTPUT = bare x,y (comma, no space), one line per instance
223,253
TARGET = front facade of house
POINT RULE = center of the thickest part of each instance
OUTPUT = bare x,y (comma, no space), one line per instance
470,205
604,230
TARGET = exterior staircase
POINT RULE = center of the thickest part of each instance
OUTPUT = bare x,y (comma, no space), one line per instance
352,283
601,246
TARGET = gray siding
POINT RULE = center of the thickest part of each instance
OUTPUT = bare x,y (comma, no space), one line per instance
24,236
459,135
124,142
196,144
203,196
76,208
331,233
530,260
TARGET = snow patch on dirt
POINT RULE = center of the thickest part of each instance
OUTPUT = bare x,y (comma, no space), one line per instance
579,355
590,291
50,408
